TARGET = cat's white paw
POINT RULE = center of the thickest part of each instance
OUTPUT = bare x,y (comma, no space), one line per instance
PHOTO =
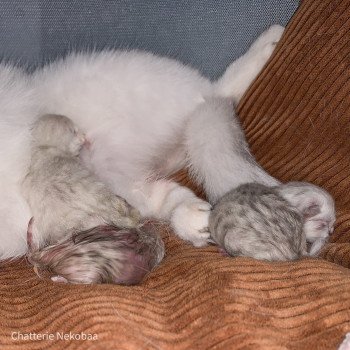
269,37
190,221
264,46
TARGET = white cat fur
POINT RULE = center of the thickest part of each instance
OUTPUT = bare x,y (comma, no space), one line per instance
139,111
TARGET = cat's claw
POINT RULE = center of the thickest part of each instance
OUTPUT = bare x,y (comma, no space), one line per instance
190,221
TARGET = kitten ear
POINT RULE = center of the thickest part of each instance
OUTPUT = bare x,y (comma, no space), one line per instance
311,209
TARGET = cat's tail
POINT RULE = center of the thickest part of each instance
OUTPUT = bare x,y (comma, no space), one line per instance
218,154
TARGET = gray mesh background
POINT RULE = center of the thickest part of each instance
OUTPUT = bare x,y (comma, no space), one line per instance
207,34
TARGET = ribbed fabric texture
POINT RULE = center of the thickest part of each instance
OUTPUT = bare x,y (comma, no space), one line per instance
296,116
196,299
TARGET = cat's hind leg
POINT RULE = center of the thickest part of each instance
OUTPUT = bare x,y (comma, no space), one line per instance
218,154
241,73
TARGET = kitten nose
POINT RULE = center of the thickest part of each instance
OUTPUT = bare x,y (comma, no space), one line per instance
86,143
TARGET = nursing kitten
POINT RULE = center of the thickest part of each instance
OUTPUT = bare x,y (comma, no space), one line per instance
146,117
273,223
256,221
93,235
103,254
64,196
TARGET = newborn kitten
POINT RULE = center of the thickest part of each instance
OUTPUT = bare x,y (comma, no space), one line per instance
93,235
256,221
63,195
317,208
103,254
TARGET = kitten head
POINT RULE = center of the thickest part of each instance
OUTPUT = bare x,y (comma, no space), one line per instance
256,221
316,206
58,131
103,254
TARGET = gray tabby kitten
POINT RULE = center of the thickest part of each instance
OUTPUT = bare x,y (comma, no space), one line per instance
74,212
256,221
103,254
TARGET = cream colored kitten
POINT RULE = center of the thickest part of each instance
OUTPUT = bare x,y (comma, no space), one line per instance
63,195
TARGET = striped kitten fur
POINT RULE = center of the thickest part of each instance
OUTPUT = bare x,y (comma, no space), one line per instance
254,220
93,235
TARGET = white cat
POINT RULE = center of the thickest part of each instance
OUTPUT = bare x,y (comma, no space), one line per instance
146,117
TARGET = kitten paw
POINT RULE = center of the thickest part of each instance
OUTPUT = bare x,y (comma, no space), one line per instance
318,228
190,221
317,246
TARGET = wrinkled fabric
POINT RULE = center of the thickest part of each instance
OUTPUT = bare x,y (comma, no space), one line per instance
296,116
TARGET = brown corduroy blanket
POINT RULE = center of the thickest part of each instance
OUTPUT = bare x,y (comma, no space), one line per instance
296,117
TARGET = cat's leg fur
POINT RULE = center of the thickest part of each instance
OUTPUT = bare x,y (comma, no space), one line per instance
14,217
242,72
219,156
163,199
